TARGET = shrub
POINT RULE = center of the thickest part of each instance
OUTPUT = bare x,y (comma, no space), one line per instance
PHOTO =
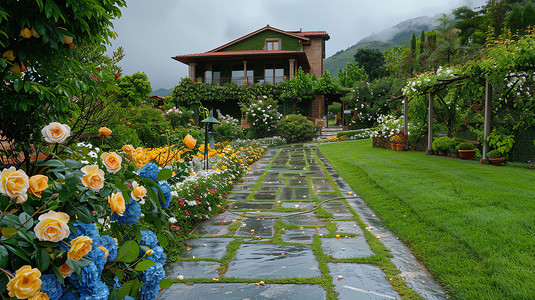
494,154
442,143
228,132
262,115
456,142
149,124
179,117
466,146
297,128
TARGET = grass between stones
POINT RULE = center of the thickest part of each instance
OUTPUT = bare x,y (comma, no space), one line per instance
472,225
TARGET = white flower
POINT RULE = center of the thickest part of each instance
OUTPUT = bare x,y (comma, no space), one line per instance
92,154
172,220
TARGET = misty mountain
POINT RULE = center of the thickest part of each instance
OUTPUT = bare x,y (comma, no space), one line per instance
398,35
162,92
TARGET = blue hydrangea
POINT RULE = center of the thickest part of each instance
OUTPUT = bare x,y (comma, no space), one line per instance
109,243
148,238
151,279
117,284
131,213
100,292
128,298
150,171
97,256
69,296
158,255
90,280
51,286
166,191
89,230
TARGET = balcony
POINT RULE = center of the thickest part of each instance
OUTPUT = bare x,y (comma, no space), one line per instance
242,80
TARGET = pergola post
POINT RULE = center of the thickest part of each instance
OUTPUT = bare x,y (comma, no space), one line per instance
488,115
430,125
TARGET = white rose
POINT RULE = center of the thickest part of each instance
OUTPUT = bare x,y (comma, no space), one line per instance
56,132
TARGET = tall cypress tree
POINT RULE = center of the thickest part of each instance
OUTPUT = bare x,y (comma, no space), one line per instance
528,17
413,43
422,42
515,20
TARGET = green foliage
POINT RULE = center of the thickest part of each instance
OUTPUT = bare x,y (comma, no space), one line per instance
442,143
229,129
413,43
372,61
464,146
528,15
297,128
300,88
515,21
352,75
134,90
149,124
262,116
501,142
494,154
179,117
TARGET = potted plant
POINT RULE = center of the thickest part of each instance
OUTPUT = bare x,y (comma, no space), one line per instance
453,147
495,157
397,143
466,150
442,144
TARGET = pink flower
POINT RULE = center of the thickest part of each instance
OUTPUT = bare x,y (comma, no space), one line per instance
94,78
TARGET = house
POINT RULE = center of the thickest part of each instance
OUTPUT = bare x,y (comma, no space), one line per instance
265,55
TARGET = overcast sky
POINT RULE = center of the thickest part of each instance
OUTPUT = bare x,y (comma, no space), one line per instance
151,32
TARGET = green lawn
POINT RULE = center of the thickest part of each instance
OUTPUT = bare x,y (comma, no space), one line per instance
473,225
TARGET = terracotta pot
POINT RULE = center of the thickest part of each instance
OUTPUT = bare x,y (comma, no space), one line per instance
467,154
393,146
400,147
497,161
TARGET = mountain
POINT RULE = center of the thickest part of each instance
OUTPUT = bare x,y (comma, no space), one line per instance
398,35
162,92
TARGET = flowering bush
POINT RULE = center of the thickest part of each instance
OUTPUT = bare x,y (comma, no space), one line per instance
386,126
396,139
74,230
263,116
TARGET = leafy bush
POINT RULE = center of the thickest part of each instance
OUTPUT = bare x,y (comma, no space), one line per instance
494,154
228,132
442,143
297,128
456,142
149,124
262,115
179,117
466,146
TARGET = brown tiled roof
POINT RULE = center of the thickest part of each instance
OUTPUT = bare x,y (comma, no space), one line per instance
313,33
247,53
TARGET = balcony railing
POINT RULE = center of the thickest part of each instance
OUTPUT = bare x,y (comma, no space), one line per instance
241,81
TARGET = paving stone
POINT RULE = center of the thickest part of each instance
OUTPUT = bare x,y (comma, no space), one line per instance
305,220
273,261
354,247
206,248
361,282
321,185
341,183
262,228
301,205
265,195
348,227
215,226
326,196
269,188
248,181
232,291
338,209
294,175
303,236
192,269
294,193
251,205
315,174
237,196
314,168
243,188
298,182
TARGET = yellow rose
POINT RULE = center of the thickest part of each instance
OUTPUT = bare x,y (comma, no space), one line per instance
65,270
94,177
26,33
38,183
138,191
139,156
39,296
26,282
190,141
80,246
129,149
104,131
14,184
56,132
34,33
52,227
117,204
112,161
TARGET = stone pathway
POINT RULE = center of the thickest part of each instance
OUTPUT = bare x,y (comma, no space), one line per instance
261,249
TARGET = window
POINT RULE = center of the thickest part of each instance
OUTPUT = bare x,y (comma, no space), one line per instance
272,45
274,73
237,74
212,74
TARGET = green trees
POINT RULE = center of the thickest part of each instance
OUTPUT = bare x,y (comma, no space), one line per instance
134,89
351,75
372,61
515,21
42,72
528,16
